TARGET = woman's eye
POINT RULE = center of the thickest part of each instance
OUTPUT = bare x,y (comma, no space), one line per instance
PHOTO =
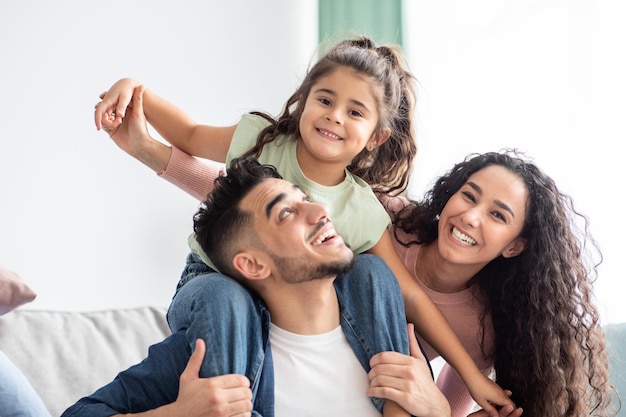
499,216
469,196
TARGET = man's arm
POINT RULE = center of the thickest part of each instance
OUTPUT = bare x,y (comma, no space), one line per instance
151,388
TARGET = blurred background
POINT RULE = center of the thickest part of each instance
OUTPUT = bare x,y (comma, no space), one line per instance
90,228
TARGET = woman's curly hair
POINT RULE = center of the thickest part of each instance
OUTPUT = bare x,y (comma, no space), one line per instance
549,344
387,168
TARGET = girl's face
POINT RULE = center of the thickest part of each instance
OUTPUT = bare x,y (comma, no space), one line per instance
484,218
339,118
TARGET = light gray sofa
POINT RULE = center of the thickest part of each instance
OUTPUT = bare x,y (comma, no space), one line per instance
67,355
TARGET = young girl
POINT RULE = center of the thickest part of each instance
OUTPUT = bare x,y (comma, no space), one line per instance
346,128
494,244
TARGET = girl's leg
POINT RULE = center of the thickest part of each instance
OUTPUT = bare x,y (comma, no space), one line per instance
372,311
228,317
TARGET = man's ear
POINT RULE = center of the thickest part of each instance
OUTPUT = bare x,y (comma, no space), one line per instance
250,266
378,139
515,248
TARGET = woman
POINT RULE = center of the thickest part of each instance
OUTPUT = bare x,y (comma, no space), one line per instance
496,246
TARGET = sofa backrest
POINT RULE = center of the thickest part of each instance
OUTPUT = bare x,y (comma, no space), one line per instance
67,355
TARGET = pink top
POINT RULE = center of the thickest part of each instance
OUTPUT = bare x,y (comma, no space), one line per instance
462,310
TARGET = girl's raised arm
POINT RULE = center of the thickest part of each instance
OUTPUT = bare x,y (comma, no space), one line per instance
172,124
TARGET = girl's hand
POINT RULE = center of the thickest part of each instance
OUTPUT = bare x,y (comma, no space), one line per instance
112,109
407,380
489,395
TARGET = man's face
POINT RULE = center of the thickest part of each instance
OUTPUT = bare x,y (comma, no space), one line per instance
295,233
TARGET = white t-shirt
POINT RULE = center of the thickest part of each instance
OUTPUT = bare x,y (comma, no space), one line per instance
318,375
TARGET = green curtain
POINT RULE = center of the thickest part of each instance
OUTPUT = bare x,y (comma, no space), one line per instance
380,20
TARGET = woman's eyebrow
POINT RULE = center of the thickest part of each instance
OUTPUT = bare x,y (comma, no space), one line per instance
499,203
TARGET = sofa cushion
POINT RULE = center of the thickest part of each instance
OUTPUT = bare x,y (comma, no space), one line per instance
67,355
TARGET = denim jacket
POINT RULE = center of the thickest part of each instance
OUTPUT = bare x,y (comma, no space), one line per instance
372,318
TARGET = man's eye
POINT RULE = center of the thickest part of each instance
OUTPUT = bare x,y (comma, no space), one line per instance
284,213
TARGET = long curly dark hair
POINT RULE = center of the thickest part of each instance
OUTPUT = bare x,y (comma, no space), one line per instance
549,345
388,167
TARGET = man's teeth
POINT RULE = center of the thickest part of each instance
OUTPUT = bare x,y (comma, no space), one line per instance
323,237
462,237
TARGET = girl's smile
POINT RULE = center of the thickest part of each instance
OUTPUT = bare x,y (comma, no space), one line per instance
340,117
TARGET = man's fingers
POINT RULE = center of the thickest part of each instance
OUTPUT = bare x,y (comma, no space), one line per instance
192,370
137,101
414,346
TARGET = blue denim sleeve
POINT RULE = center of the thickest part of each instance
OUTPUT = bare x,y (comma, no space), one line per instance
145,386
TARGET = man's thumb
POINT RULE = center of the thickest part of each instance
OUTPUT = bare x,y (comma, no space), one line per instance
192,370
414,346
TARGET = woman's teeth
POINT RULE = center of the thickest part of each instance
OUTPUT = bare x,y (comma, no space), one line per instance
462,237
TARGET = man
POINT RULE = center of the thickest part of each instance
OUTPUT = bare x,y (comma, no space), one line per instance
263,232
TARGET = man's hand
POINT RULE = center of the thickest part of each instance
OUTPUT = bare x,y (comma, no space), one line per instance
221,396
407,381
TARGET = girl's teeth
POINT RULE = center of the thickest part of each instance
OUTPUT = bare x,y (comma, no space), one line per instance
330,135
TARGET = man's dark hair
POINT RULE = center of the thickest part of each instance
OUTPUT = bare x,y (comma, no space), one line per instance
220,220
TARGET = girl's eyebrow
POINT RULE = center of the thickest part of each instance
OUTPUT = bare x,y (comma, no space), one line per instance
499,203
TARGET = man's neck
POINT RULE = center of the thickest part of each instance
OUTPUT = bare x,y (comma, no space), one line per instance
306,308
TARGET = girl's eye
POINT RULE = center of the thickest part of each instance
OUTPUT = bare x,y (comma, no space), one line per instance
355,113
324,101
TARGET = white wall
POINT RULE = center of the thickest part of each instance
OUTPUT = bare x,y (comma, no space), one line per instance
86,225
90,228
545,76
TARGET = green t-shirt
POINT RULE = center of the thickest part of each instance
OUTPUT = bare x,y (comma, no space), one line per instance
355,211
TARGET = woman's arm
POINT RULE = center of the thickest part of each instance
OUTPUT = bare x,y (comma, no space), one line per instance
174,125
436,330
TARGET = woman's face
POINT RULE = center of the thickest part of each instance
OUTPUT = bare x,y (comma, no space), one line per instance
484,218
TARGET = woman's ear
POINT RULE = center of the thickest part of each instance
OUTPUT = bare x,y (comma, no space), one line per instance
250,266
378,139
515,248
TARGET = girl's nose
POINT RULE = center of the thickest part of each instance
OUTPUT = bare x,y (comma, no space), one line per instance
334,116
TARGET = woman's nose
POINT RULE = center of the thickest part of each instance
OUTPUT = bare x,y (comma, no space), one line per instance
471,217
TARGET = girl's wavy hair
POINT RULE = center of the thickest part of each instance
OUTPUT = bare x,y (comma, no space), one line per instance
387,168
549,345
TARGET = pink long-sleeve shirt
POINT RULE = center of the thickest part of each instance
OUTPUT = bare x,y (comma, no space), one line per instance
463,311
